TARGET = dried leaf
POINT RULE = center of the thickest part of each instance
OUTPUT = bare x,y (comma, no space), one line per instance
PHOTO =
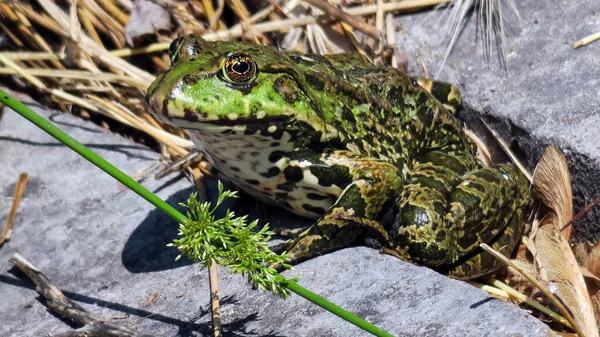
556,263
552,185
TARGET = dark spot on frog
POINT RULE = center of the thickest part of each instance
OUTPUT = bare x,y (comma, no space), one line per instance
440,91
255,108
249,132
425,115
347,115
286,88
275,144
235,169
189,79
190,115
395,97
337,174
422,98
465,241
440,236
313,209
253,182
254,153
316,196
272,172
293,174
315,81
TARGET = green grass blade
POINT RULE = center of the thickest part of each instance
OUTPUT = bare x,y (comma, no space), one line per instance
344,314
107,167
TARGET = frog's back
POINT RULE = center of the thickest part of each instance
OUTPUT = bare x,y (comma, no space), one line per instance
381,111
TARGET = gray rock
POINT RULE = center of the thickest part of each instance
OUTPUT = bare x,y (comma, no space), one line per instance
105,247
550,93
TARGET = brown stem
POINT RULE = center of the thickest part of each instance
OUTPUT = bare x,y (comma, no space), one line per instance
214,298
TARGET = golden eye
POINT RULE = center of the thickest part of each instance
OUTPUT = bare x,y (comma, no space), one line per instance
239,69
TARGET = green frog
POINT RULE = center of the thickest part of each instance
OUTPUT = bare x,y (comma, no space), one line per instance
367,151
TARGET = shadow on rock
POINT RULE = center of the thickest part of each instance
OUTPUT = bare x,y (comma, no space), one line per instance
198,326
146,249
238,327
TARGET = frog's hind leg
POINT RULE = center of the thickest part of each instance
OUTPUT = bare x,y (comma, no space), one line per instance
448,207
479,262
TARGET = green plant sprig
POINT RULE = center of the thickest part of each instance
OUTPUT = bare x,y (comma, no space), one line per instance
232,243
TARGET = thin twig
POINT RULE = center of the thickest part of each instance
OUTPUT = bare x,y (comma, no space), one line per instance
59,303
580,214
19,190
587,40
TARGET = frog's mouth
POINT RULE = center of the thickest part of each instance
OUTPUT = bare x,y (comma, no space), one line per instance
247,121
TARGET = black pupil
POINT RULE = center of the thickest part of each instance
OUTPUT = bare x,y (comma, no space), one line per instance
240,67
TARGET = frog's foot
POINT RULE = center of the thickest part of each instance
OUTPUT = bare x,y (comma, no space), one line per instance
337,230
326,235
445,217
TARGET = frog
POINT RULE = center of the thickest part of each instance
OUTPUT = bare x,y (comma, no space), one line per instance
373,155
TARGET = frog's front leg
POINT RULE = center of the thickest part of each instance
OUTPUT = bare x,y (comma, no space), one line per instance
373,190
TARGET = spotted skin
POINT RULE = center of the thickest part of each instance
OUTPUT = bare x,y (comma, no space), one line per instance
367,151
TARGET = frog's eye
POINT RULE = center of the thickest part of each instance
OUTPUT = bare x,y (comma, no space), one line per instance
239,69
174,48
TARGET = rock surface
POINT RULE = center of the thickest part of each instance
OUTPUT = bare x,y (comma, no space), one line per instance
550,93
105,247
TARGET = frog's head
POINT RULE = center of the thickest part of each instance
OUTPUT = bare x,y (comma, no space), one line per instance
214,86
